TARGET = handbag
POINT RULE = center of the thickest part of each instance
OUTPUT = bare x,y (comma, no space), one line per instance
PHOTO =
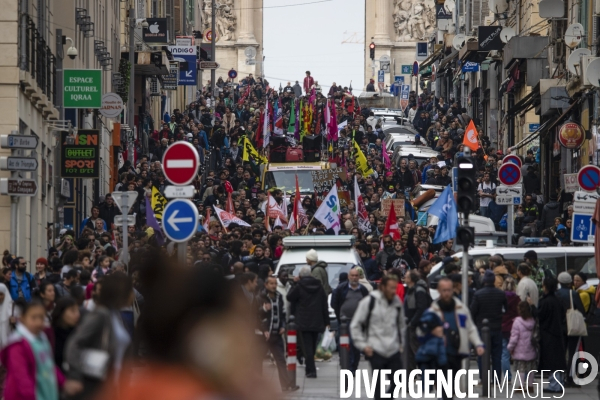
575,321
94,362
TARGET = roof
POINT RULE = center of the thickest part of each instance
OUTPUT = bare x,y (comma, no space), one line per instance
329,255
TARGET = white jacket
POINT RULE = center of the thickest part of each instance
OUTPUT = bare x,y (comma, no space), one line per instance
384,335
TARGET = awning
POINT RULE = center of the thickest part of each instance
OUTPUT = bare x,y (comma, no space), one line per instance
431,59
149,63
522,104
448,59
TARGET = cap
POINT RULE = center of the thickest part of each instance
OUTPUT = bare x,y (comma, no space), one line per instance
429,321
564,278
62,231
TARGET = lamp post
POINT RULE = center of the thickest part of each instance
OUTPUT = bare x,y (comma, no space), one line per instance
213,26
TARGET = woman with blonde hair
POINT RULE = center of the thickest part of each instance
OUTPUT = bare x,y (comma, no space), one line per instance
362,279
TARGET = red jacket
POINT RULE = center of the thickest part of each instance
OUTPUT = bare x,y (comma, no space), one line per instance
19,361
308,82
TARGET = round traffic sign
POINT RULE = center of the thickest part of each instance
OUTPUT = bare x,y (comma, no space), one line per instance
180,220
180,163
415,70
512,159
207,34
509,174
588,178
232,73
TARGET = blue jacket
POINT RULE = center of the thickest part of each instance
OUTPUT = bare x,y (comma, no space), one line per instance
27,286
433,349
84,223
371,269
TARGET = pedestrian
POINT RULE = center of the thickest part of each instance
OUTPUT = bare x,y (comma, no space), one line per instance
550,211
416,301
307,297
551,314
459,328
520,345
22,283
526,287
69,280
344,301
283,287
490,303
431,353
377,329
31,372
538,272
65,318
512,301
41,270
272,315
586,292
318,269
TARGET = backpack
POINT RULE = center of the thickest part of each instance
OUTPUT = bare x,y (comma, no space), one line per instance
367,322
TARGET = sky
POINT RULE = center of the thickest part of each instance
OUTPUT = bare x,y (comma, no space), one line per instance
309,37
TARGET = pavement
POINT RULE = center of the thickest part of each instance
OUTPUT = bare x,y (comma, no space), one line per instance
326,385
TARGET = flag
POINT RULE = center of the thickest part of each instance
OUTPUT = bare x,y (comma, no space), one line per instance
445,209
328,211
278,126
206,223
332,126
471,139
297,124
227,218
299,217
362,216
292,125
386,157
158,202
153,223
267,224
274,210
250,153
278,223
229,205
266,126
391,225
361,161
259,136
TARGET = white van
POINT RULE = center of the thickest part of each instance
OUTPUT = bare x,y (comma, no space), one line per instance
557,259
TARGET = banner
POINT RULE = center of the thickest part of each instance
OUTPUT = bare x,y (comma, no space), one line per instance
362,216
227,218
250,153
80,158
159,202
328,212
361,161
398,207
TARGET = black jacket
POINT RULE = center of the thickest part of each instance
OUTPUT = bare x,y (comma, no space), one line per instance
551,316
489,303
563,294
405,179
549,212
416,301
108,213
309,305
338,296
266,317
532,183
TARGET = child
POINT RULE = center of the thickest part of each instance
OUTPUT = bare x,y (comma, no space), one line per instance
432,351
520,344
31,373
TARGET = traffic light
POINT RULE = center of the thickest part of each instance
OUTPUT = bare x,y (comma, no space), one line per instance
467,185
465,236
372,50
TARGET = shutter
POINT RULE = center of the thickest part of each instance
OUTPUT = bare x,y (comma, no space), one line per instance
475,14
170,19
177,16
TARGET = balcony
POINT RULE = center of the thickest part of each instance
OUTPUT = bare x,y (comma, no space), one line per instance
37,67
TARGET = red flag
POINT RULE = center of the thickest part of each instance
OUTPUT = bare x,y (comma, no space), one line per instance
299,217
391,225
207,220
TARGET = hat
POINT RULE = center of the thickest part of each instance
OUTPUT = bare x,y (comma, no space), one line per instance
258,220
430,321
42,260
564,278
488,277
391,188
561,227
531,254
499,152
423,264
312,255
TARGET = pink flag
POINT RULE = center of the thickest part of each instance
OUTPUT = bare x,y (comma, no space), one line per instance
386,157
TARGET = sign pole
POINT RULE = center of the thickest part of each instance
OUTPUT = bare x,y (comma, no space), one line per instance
182,252
213,49
510,224
130,100
125,212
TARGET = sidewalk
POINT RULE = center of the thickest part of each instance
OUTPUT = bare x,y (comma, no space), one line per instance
326,386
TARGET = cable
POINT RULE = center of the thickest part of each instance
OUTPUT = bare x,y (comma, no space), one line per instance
284,6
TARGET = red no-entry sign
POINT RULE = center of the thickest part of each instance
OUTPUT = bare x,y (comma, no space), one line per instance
180,163
509,174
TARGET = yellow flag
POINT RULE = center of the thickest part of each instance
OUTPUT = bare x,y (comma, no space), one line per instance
250,153
361,161
158,203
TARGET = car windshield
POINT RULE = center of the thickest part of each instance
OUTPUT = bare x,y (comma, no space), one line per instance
333,271
286,181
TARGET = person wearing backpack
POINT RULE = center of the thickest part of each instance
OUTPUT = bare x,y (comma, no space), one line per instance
377,328
416,301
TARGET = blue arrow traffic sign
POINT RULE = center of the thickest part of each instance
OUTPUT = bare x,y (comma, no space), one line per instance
582,228
180,220
509,174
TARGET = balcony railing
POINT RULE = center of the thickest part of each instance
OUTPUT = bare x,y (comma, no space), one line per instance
37,58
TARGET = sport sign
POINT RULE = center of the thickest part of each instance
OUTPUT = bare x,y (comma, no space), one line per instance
80,154
82,88
512,159
509,174
180,163
588,178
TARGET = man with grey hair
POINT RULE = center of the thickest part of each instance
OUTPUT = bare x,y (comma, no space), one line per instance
307,297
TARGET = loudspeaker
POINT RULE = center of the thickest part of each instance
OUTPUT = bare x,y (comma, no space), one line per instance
278,149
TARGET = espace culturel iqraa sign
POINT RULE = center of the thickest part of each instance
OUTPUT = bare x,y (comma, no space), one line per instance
82,88
80,155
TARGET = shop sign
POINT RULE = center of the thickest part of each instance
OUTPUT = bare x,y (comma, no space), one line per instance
82,88
80,154
489,38
571,136
157,31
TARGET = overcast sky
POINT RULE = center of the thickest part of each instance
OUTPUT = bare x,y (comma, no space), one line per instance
309,37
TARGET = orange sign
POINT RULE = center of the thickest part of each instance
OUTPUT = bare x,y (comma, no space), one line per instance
571,135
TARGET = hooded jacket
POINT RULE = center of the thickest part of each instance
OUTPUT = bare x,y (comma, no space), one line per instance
319,272
549,212
466,328
382,257
416,301
520,340
587,294
309,304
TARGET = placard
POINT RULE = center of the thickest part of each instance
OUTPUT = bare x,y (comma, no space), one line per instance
80,159
323,181
398,207
571,185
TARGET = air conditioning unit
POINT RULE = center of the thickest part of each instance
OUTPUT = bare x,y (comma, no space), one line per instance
487,21
154,87
585,61
139,47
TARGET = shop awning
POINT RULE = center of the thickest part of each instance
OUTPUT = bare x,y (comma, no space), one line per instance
149,63
522,104
448,59
431,59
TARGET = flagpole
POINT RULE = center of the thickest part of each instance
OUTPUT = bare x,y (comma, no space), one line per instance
309,222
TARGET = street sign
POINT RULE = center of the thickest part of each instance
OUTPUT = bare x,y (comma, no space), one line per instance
170,80
207,35
470,66
584,208
509,191
585,197
18,142
180,163
509,174
570,183
415,68
406,69
82,88
250,61
209,65
512,159
589,177
583,228
18,163
180,220
381,76
185,54
506,201
404,96
118,196
421,51
232,73
183,41
18,187
112,105
533,127
130,220
399,80
179,192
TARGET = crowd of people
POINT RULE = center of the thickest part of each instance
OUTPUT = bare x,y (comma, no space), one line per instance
71,322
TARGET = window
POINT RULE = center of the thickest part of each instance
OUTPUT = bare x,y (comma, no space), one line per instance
583,263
